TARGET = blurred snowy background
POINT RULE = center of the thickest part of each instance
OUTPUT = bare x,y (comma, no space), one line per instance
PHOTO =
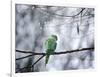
73,26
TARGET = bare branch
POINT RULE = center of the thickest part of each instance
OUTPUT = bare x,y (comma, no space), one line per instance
56,53
20,69
62,15
24,57
38,60
43,54
21,51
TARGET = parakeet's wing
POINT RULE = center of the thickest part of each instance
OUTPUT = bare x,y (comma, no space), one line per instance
50,44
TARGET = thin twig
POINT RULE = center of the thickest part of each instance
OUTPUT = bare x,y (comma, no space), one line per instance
24,57
38,60
56,53
24,51
62,15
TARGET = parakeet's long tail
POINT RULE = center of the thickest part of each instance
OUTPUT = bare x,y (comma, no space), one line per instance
47,58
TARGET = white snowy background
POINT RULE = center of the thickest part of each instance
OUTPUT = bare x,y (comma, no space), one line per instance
34,24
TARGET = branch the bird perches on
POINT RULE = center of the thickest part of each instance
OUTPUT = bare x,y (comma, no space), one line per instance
55,53
43,54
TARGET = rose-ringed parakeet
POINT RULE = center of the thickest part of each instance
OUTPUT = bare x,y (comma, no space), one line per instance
50,46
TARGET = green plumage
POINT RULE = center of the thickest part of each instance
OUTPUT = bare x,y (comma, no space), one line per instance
50,46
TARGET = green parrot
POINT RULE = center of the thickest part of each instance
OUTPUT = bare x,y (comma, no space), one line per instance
50,46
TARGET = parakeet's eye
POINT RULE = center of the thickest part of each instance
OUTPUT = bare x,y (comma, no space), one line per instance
55,37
